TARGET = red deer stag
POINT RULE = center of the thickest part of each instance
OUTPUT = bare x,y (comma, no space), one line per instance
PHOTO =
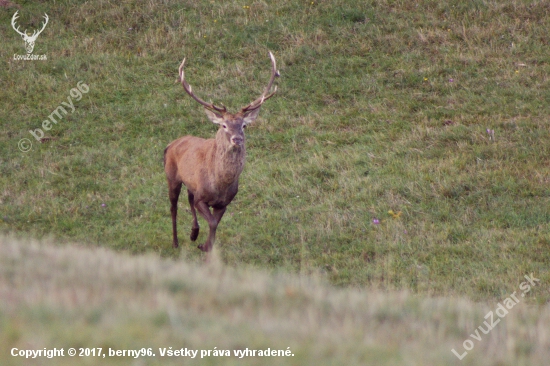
210,169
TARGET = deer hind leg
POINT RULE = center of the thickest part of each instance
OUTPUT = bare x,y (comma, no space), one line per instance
213,221
195,227
174,190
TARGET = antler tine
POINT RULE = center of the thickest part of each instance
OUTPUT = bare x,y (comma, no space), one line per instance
13,19
44,26
265,96
189,91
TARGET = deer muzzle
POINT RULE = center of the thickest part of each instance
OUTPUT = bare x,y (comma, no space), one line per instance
237,140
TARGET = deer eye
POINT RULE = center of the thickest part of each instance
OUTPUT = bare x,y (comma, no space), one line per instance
244,126
224,126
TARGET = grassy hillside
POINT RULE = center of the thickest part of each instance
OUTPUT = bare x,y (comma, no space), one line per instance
382,106
72,296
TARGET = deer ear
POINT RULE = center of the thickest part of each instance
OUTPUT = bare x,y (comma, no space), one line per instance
214,117
250,117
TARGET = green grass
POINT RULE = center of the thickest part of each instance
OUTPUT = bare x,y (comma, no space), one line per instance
63,296
382,106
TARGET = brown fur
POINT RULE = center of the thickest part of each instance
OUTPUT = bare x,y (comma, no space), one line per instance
210,169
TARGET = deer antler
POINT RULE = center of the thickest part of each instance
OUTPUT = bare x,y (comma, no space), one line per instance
189,91
13,19
36,33
24,34
265,95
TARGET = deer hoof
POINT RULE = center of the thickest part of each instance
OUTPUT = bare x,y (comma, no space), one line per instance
204,247
175,244
194,233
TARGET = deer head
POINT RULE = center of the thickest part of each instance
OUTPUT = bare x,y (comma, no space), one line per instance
232,124
29,40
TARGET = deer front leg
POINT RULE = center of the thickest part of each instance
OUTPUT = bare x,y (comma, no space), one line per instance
195,227
213,220
174,193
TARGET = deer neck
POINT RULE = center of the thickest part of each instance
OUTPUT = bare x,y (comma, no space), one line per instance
229,161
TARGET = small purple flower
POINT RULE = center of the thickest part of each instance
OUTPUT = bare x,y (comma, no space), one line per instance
451,80
375,221
103,205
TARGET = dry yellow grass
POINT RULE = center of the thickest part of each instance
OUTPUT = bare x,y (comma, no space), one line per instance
54,296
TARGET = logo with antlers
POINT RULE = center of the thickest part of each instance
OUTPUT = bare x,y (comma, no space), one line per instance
29,40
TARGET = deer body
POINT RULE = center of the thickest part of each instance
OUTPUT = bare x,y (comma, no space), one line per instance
210,168
215,186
